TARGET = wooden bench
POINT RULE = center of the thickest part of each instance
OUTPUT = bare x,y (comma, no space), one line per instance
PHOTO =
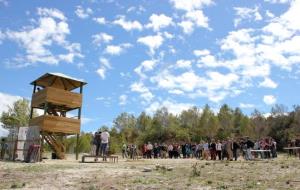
260,150
111,158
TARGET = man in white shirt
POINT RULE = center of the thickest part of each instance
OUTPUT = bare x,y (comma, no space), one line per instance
104,143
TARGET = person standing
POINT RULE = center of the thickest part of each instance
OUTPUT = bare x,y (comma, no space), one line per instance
170,150
250,146
124,151
183,150
235,147
205,150
97,142
149,150
213,150
274,148
219,149
229,146
104,143
156,150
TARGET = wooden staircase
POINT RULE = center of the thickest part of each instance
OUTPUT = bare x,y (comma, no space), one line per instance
56,145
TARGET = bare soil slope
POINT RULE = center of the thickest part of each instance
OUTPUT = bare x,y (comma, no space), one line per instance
281,173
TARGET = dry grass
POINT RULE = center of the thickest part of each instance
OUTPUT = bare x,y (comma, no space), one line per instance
281,173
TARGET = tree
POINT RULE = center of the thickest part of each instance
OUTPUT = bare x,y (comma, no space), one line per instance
126,124
17,115
225,117
259,124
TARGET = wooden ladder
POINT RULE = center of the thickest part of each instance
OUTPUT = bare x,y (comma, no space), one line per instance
56,145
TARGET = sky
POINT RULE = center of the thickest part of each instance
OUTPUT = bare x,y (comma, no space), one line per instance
139,55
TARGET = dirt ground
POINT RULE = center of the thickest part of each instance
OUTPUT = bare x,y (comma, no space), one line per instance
280,173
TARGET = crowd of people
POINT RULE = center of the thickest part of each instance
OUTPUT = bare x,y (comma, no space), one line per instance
293,143
100,144
230,149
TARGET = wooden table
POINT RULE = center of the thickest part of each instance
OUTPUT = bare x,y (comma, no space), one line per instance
111,158
293,148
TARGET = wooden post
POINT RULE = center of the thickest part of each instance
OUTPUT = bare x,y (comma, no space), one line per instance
31,110
77,146
16,144
77,136
45,108
42,147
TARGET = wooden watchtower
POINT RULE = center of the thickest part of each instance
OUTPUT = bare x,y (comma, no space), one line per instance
56,95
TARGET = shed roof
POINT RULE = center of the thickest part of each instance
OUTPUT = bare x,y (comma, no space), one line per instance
58,80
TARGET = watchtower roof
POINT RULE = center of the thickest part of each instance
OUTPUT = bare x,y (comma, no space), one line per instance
58,80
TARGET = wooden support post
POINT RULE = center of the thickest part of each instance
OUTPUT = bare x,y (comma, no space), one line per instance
77,146
16,143
42,147
79,117
45,108
31,110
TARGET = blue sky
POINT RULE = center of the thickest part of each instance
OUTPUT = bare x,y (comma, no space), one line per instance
140,55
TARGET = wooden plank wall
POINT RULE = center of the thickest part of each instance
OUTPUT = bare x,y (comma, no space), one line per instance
58,97
55,124
62,97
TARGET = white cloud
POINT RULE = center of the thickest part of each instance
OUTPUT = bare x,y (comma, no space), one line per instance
104,66
100,20
147,65
159,21
269,99
168,35
128,25
193,14
213,85
138,10
203,52
187,26
100,98
189,5
198,18
153,42
184,64
278,1
7,100
86,120
245,13
102,38
173,107
176,91
52,30
4,2
116,49
145,93
54,13
101,72
2,36
268,83
83,13
123,100
246,106
269,14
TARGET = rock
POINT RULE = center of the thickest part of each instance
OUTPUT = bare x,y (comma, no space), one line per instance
170,168
157,166
147,169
